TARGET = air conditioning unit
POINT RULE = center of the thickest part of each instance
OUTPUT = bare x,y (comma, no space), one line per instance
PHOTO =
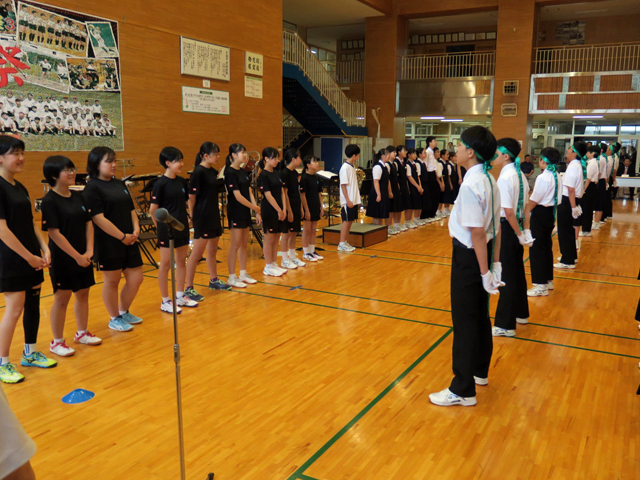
510,88
509,109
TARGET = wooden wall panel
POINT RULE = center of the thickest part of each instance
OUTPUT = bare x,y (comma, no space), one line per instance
581,84
548,84
598,30
548,102
615,83
483,87
355,92
151,81
603,101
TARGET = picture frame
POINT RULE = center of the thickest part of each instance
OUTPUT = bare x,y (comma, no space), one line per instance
344,45
415,39
447,38
470,37
422,39
441,38
461,37
360,43
428,38
434,39
350,44
481,36
491,35
454,37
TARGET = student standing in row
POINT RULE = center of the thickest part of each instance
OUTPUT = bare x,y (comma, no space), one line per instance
291,186
433,186
379,195
240,202
396,206
349,196
116,251
513,305
541,210
311,197
569,211
274,210
602,186
403,182
415,190
447,194
424,182
171,192
23,256
455,176
475,229
590,190
66,218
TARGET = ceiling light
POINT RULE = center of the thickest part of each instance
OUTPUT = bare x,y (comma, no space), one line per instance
585,117
453,120
431,118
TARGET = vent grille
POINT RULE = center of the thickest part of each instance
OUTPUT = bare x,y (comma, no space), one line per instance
509,109
511,87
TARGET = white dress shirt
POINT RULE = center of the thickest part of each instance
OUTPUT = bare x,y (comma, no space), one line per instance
432,163
510,189
544,189
592,170
602,167
573,178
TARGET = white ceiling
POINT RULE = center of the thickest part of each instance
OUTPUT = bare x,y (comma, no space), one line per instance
454,22
323,13
326,37
589,9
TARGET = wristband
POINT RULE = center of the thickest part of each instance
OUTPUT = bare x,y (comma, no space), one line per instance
124,235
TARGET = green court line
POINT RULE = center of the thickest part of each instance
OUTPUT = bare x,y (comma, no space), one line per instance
305,466
302,476
407,253
576,348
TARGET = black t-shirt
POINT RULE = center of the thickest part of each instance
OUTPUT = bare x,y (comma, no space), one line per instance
15,209
310,186
237,180
171,193
290,181
70,216
270,182
204,185
526,167
112,199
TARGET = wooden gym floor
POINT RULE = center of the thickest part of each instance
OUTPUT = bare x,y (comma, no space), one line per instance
325,374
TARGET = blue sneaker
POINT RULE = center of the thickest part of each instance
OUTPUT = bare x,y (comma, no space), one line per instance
131,319
37,359
219,285
193,295
120,325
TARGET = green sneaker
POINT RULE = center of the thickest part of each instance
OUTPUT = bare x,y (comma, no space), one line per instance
193,295
219,285
37,359
9,374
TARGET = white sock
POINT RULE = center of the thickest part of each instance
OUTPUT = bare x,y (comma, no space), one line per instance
274,264
312,248
292,253
397,225
233,276
58,340
29,348
165,299
122,312
4,360
113,318
285,256
82,331
179,294
341,244
306,250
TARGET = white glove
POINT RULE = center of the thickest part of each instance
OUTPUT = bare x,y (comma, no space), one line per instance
575,212
488,282
530,239
496,268
524,241
580,208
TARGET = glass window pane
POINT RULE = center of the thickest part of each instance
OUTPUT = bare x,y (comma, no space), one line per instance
561,127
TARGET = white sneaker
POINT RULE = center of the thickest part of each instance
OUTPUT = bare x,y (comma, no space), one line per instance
309,257
446,398
317,257
269,271
577,244
538,291
550,285
345,248
353,249
279,270
61,349
392,231
247,279
167,307
563,266
522,321
236,282
411,225
585,234
185,301
297,262
439,215
595,226
87,338
501,332
447,212
288,264
483,382
402,228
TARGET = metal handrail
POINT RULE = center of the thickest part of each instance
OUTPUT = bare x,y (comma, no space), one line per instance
298,53
588,58
447,65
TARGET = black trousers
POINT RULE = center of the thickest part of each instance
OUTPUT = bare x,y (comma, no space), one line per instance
588,206
425,197
472,339
608,203
601,196
513,302
541,252
434,194
566,233
638,312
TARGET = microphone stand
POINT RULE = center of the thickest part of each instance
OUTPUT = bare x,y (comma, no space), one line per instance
176,356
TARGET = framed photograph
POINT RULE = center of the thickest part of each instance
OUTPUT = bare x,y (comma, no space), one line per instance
350,44
441,38
491,35
415,39
481,36
428,38
434,39
360,43
470,37
447,38
422,39
454,37
343,57
345,45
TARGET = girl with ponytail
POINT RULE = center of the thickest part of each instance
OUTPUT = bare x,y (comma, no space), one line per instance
205,216
513,305
569,210
291,161
476,243
590,190
540,213
311,196
581,150
378,204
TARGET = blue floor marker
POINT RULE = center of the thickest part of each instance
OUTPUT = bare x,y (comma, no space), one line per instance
78,396
295,288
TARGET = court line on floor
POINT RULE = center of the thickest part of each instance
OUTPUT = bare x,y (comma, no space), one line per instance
299,473
575,348
327,292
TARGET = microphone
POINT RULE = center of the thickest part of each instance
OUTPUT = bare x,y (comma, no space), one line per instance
162,215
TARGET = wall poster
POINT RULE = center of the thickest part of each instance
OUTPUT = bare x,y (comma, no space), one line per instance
59,78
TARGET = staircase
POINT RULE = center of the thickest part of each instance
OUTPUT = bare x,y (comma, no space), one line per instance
313,97
293,133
